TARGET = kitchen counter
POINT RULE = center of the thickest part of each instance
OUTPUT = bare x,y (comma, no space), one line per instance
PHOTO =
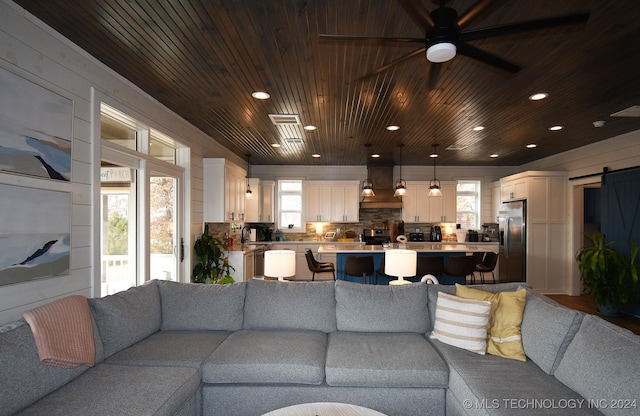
419,247
246,248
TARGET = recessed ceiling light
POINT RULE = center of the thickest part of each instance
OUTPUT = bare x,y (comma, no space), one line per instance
494,155
599,123
393,128
275,144
478,128
556,128
433,155
310,127
260,95
538,96
375,155
531,145
316,155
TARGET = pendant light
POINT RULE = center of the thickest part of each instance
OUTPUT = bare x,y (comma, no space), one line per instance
434,184
367,186
248,193
400,186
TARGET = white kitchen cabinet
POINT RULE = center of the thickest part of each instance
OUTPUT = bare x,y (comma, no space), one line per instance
443,208
547,259
415,204
253,204
345,200
267,199
224,191
335,201
245,263
513,189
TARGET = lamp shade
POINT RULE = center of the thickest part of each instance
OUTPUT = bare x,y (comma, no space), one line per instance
279,263
400,263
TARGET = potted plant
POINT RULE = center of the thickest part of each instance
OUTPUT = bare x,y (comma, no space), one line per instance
606,274
212,265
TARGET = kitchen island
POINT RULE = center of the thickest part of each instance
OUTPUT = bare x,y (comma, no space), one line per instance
342,251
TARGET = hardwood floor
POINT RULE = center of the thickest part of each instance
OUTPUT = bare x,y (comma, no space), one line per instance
586,304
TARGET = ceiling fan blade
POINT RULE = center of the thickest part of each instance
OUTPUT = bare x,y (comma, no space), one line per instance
486,57
527,26
434,74
476,10
373,39
392,64
418,13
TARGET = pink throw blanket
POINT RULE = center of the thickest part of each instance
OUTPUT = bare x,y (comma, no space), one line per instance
63,332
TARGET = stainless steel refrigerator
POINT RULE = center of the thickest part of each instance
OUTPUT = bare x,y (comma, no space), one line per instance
512,220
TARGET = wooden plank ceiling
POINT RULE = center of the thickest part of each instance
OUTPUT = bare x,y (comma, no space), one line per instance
203,59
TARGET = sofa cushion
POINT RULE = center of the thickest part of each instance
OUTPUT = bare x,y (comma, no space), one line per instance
372,308
383,360
195,307
492,385
127,317
601,364
504,334
290,305
22,377
121,390
462,322
547,330
174,348
268,356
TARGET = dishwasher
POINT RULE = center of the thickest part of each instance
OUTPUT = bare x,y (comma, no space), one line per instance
258,262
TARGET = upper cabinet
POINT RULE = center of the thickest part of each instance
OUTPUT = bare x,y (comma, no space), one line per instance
253,203
332,201
513,189
267,201
224,191
418,206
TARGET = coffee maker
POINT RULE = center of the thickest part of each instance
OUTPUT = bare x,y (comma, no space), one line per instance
436,233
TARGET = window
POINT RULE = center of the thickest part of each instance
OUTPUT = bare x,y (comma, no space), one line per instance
290,204
468,204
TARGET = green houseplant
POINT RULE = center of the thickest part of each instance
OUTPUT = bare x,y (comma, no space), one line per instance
608,276
212,266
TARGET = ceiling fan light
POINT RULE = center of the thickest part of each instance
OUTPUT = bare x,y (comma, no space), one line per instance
441,52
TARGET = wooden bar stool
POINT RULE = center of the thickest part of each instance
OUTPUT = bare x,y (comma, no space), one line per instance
360,266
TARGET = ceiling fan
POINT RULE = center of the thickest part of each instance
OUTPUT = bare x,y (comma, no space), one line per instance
444,37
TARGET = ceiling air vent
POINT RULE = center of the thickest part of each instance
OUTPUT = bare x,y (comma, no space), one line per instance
633,111
285,119
293,140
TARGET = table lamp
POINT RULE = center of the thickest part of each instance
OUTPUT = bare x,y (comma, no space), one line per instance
400,263
280,263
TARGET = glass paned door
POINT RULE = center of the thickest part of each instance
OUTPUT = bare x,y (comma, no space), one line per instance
163,224
118,228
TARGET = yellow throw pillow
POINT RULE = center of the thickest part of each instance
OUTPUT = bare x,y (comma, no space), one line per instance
504,333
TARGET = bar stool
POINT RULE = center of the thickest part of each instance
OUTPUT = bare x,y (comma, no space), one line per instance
359,266
319,267
478,256
433,265
487,265
461,266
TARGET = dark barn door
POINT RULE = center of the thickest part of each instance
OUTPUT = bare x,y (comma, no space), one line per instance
621,211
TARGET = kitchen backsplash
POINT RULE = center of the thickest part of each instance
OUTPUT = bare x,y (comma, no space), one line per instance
369,218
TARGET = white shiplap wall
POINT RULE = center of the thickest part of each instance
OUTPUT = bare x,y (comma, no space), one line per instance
33,51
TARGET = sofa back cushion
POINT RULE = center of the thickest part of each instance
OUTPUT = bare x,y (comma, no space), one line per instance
125,318
601,364
371,308
196,307
547,330
22,377
270,304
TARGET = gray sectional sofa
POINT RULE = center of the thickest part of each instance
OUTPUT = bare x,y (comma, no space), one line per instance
168,348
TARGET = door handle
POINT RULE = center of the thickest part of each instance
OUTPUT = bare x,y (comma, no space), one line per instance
507,243
181,249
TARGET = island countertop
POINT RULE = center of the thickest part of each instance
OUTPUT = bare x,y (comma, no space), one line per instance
421,248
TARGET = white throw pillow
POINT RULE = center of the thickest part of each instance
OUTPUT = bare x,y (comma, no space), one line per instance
462,322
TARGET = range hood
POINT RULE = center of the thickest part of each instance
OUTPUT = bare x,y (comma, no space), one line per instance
382,178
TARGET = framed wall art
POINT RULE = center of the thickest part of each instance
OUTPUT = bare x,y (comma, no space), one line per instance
35,129
35,233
